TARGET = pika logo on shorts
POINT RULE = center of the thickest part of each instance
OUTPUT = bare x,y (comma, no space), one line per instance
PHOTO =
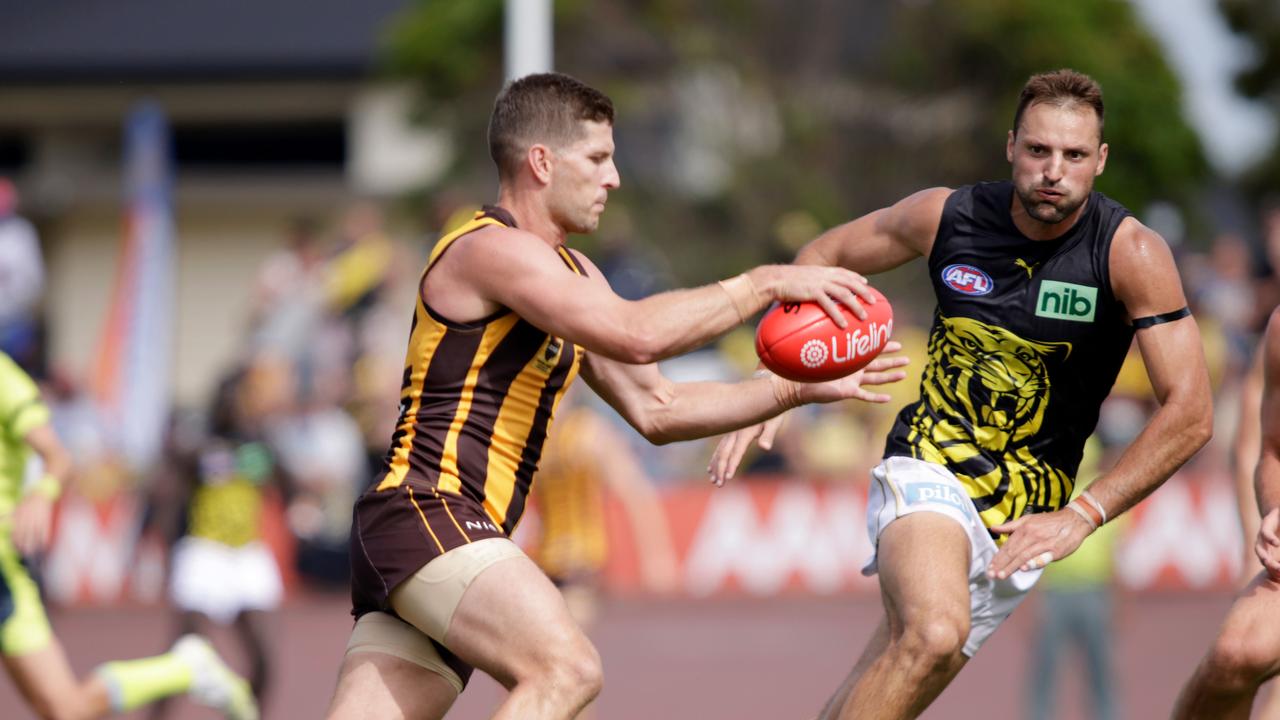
924,493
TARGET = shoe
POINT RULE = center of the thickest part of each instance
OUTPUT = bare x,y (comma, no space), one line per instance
213,683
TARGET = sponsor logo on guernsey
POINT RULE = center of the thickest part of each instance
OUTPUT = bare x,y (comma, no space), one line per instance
482,525
1066,301
846,347
967,279
926,493
546,360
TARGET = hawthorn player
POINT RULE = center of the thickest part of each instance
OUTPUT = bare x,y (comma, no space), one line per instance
1041,285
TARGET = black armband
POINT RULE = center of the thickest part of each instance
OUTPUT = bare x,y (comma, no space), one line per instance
1146,322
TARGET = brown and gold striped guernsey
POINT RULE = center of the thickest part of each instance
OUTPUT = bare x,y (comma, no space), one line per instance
476,402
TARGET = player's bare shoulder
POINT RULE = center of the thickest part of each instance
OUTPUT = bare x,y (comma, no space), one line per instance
915,219
1135,250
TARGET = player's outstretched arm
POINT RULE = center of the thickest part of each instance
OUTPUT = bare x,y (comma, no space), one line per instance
664,411
881,240
1144,278
518,270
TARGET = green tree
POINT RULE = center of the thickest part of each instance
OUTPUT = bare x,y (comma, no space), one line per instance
1259,21
746,126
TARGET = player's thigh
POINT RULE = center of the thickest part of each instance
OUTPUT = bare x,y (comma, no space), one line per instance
512,622
377,686
1251,633
923,560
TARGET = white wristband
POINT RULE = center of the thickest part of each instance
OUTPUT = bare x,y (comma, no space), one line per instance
1092,525
1097,505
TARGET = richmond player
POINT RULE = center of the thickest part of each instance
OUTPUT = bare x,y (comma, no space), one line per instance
1041,285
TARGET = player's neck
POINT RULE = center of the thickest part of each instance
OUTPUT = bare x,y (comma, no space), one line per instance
532,215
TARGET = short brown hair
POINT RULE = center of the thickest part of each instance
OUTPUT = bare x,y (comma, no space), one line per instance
1064,88
542,108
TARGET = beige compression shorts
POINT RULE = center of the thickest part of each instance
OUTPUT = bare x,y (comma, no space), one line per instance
426,602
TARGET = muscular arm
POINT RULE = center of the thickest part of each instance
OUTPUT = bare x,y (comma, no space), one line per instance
881,240
514,269
664,411
1266,481
1245,447
1145,279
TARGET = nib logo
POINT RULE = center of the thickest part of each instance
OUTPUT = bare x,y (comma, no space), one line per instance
1066,301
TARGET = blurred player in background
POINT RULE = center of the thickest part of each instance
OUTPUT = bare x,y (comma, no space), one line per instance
1246,652
1041,286
221,569
33,657
505,318
1077,607
585,461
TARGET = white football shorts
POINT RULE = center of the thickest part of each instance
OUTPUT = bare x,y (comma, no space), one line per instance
221,581
902,485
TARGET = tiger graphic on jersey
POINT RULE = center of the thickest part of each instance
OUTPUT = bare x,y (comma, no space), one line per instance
983,398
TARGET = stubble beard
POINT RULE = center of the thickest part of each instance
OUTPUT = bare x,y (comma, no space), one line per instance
1046,212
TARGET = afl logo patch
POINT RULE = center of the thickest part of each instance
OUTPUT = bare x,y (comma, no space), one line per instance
967,279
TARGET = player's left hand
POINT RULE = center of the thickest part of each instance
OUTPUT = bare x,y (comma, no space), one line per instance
1267,545
1037,540
32,523
881,371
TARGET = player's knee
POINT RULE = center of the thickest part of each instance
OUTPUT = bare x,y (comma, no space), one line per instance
584,672
1239,660
936,642
574,672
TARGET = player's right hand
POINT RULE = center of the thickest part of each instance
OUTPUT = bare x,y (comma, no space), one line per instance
728,454
822,284
1267,545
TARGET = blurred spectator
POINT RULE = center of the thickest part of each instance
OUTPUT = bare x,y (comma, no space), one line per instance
21,283
288,302
1223,291
321,450
360,266
633,271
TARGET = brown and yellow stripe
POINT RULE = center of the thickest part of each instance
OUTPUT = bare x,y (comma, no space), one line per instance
476,402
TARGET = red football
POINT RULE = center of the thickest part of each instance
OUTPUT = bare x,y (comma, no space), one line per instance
799,341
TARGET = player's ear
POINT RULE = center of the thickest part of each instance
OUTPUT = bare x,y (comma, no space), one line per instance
1008,148
540,159
1102,159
